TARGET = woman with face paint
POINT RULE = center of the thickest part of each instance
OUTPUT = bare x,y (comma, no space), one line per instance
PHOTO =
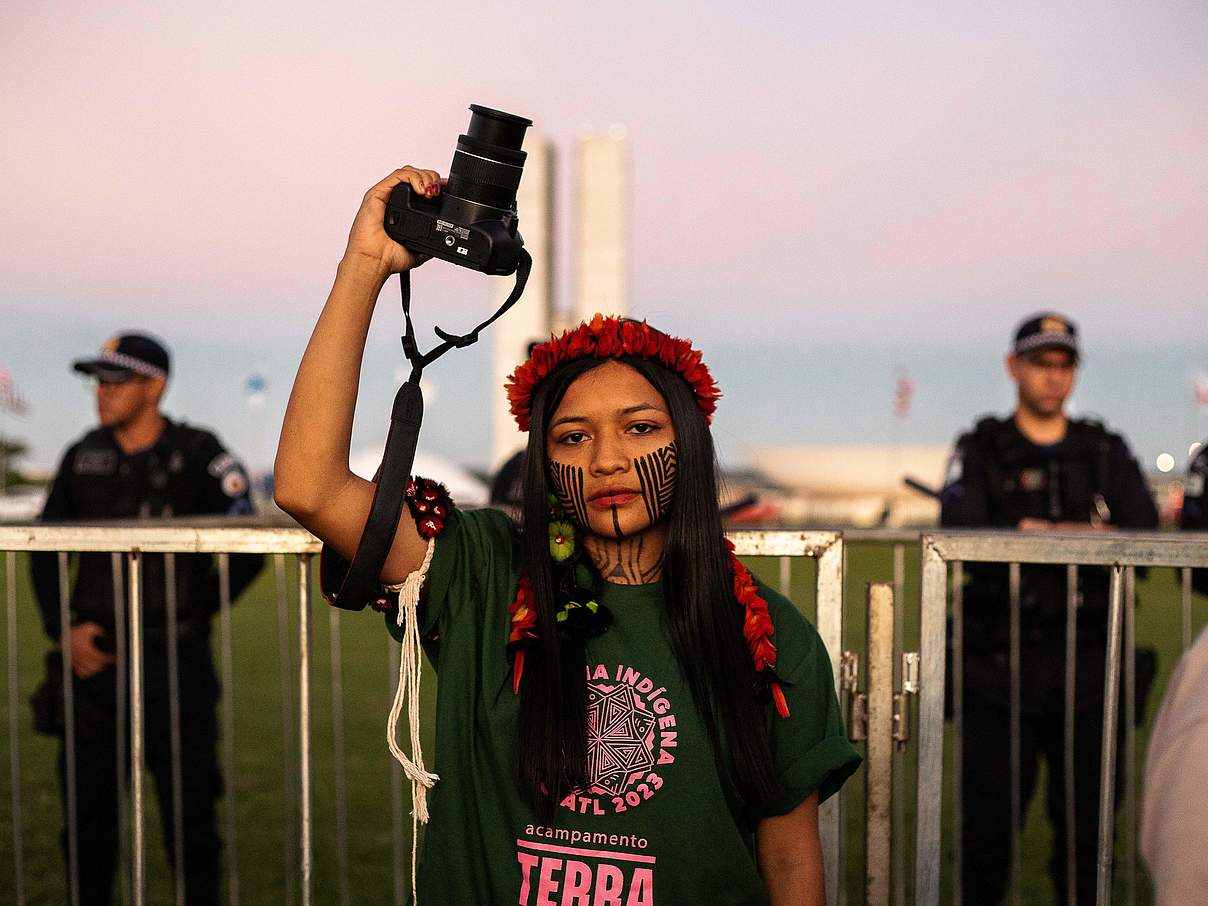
625,716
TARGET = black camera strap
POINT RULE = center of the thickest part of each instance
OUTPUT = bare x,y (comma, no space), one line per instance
361,583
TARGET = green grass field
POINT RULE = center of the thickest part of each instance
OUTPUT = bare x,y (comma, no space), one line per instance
262,751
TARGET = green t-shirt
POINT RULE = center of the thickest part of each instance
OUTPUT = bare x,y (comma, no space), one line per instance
655,828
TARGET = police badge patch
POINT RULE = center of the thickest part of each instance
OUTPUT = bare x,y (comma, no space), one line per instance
232,478
234,483
221,464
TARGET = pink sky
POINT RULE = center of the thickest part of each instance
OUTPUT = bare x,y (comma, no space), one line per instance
889,174
900,162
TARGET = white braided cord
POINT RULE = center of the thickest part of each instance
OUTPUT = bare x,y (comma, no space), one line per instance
409,671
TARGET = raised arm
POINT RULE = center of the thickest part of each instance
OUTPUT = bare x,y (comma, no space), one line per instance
312,480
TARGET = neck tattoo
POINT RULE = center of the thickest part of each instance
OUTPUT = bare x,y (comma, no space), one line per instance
627,561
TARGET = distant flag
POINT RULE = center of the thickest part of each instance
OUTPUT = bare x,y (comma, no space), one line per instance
1201,390
11,399
256,391
903,395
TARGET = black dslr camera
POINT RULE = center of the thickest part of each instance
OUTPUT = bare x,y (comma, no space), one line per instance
472,222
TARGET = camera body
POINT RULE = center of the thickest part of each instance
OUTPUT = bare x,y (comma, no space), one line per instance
473,221
443,227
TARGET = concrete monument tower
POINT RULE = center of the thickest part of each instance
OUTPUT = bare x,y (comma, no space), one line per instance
532,317
601,227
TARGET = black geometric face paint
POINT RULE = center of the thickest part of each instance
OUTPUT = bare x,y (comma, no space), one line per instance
568,485
657,472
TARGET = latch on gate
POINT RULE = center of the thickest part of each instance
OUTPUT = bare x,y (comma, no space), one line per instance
857,701
901,700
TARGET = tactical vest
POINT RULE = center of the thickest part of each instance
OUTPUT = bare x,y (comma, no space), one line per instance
155,484
1066,482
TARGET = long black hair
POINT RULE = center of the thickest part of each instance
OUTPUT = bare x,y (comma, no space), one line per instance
703,617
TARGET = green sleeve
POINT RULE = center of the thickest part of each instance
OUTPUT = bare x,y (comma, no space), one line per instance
475,560
810,747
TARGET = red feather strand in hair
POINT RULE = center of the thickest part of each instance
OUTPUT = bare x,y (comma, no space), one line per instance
524,628
757,628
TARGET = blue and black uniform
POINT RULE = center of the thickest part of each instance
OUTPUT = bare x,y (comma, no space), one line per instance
998,477
187,472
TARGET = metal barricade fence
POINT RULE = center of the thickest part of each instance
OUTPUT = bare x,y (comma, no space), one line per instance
880,714
129,545
1121,554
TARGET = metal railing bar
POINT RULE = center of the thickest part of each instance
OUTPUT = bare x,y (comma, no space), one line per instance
173,651
1107,772
337,733
779,543
958,726
306,841
785,585
396,794
228,727
928,814
1016,733
828,598
157,539
898,870
883,535
878,770
69,734
193,539
1067,748
137,737
121,733
1129,867
14,729
1185,576
285,676
1136,548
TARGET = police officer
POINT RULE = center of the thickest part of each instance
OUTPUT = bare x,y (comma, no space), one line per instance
1195,508
139,464
1037,470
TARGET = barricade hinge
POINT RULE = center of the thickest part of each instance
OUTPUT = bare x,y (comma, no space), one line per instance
857,701
910,672
901,700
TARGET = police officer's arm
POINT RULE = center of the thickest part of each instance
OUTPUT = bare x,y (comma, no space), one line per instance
312,480
964,501
1129,499
45,567
224,488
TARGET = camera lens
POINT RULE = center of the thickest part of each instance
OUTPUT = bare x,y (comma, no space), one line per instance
488,162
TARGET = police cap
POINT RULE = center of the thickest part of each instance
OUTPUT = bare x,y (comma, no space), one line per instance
125,355
1046,331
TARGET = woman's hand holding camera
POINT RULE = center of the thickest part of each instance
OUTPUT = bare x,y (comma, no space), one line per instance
368,243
